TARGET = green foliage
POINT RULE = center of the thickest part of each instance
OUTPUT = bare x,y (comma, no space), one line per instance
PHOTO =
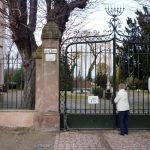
18,78
135,83
98,92
101,80
144,21
89,76
66,77
134,58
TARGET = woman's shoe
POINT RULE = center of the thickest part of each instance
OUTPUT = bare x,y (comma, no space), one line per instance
121,134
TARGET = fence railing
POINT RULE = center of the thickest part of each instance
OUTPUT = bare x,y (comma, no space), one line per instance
11,83
88,70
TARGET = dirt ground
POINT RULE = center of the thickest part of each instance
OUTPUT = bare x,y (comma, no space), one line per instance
29,139
25,139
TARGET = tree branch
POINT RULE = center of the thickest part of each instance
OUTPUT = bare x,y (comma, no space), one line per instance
61,12
77,4
22,35
17,15
33,15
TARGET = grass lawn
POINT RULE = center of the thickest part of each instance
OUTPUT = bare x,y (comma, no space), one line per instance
75,96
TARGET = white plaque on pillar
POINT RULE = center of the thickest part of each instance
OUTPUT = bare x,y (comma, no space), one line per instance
50,50
50,57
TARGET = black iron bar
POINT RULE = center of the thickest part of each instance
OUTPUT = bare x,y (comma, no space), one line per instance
148,71
21,86
17,86
114,72
100,59
65,80
91,73
72,81
105,63
81,73
86,60
94,51
77,83
10,81
8,70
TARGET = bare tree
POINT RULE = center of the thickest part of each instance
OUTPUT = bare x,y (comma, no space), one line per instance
22,16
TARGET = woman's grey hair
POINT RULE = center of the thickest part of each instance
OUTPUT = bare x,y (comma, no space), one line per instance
122,86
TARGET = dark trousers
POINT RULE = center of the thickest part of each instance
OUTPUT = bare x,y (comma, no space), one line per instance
123,121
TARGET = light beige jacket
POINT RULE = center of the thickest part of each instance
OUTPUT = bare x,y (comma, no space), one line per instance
121,100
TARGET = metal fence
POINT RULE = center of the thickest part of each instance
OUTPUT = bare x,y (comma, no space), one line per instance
95,66
11,83
134,68
88,71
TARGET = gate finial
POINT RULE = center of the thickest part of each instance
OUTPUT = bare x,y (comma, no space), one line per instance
114,11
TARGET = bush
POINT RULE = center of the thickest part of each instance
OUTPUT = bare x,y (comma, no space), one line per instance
101,80
98,92
17,79
135,83
12,85
108,94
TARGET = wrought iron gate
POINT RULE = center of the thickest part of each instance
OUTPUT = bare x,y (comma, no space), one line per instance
94,66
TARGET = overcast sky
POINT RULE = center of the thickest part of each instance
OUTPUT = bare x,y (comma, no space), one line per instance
98,20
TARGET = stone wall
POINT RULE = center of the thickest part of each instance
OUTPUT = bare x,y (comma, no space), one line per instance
13,118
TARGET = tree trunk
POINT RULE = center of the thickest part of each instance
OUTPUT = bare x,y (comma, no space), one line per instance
29,85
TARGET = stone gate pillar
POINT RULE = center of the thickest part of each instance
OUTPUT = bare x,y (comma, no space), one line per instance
47,80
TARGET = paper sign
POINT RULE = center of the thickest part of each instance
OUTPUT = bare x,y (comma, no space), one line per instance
149,84
93,99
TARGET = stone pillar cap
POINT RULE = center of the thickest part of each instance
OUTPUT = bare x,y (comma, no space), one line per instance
51,31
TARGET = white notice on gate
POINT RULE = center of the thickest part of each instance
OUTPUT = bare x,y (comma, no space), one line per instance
93,100
149,84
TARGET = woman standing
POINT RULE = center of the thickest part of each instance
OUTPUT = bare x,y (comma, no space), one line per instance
122,103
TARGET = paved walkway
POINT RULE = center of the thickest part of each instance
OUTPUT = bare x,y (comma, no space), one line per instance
102,140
